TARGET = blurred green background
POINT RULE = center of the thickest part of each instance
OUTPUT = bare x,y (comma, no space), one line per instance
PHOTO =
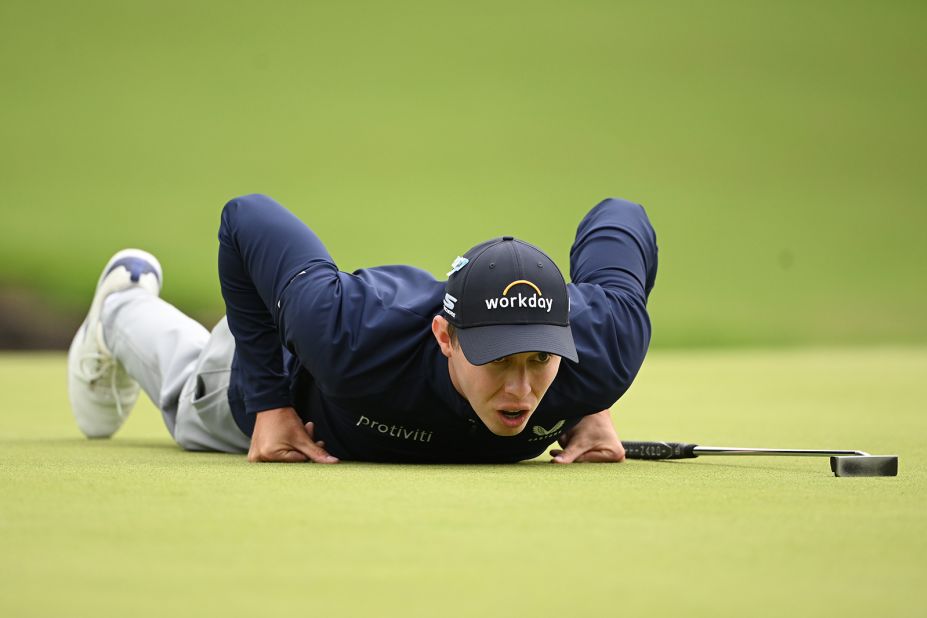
778,147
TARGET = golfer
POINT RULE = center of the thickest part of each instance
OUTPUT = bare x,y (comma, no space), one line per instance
384,364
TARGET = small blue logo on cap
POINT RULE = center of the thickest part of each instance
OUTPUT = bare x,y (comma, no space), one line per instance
459,262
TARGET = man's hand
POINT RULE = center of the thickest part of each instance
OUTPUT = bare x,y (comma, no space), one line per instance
279,435
593,440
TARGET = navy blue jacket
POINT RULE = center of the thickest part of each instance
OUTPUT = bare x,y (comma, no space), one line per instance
354,352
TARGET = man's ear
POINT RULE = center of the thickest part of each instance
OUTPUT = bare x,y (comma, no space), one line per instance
439,329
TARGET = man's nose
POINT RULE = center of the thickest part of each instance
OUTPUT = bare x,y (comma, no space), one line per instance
517,384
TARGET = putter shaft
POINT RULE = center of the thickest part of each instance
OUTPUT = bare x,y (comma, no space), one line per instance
842,462
726,450
682,450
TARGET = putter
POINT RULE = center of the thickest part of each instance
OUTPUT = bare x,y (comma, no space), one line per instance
842,463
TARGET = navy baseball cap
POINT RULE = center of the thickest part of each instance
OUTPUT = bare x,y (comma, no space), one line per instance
505,296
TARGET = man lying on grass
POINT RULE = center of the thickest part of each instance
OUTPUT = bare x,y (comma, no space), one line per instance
385,364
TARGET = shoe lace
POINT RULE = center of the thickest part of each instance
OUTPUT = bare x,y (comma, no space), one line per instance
95,366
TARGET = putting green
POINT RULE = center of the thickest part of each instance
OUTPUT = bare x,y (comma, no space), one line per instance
135,526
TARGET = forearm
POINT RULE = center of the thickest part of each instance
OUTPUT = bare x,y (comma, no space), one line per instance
613,264
262,246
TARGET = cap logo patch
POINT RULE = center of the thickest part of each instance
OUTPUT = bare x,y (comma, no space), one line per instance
535,301
526,282
449,302
457,264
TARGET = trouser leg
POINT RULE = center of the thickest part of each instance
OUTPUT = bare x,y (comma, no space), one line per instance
204,418
179,364
156,344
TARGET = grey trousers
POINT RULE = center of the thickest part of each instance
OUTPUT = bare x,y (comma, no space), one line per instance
182,367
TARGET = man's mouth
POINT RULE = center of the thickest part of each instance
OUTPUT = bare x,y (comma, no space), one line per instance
513,418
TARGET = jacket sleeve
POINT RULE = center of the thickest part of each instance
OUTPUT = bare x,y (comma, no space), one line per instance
262,247
613,266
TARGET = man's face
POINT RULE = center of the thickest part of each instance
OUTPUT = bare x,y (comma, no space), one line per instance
505,392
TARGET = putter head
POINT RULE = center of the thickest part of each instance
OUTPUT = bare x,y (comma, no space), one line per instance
865,465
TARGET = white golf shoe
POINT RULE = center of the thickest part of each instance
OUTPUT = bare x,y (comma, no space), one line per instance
101,392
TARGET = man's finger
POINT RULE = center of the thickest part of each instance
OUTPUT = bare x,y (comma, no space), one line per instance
315,451
600,456
319,455
289,457
280,456
567,455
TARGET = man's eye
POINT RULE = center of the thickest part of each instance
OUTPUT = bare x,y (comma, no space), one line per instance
543,357
499,361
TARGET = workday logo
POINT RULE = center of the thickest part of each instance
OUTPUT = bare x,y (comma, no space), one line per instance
519,300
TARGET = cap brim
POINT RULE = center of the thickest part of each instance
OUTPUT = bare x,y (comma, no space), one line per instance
484,344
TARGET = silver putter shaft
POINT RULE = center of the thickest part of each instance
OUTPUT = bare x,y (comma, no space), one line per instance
842,463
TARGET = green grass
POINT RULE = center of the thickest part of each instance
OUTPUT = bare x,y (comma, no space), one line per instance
135,526
779,147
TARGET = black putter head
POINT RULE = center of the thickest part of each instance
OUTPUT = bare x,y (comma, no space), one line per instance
864,465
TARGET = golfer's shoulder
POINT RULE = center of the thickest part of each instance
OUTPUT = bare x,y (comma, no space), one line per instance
402,288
